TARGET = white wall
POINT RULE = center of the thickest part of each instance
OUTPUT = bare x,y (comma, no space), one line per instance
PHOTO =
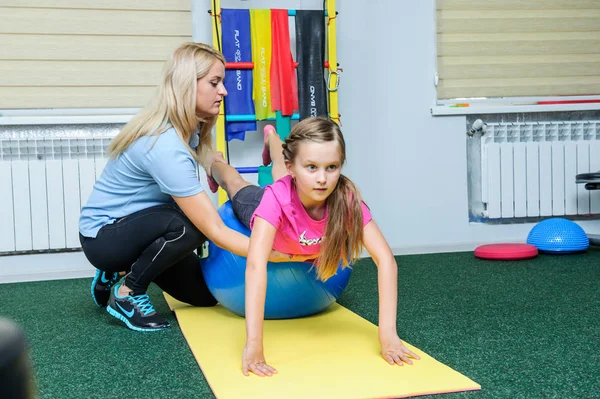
411,166
51,266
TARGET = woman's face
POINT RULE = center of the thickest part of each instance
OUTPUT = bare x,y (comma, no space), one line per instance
210,91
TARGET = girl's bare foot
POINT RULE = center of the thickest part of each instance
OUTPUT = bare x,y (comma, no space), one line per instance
266,155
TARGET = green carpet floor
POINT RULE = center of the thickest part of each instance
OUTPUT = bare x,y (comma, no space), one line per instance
528,329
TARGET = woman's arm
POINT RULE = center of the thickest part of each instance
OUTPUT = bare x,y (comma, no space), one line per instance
203,214
261,242
201,211
392,349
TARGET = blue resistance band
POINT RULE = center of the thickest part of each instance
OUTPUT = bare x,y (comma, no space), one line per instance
237,48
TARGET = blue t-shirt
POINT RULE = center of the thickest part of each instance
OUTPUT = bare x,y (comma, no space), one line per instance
148,173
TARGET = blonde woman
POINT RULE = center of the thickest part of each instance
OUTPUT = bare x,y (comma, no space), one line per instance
148,211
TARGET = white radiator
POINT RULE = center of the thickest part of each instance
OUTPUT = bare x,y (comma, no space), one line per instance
43,184
528,169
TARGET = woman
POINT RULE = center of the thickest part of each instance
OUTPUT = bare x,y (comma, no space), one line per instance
148,211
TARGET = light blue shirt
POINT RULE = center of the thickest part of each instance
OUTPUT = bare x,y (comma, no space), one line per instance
148,173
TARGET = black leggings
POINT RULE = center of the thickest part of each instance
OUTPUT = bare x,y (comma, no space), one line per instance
153,245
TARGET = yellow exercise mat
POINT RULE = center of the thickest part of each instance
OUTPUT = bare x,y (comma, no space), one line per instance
331,355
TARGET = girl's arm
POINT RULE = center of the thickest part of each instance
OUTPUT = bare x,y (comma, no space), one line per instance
203,214
392,348
261,242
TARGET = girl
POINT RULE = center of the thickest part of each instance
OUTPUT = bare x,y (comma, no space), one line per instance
313,210
148,212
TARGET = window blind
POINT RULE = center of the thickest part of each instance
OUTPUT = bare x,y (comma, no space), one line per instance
86,53
513,48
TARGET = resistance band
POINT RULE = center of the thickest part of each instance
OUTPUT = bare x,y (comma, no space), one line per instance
310,54
284,92
260,25
237,48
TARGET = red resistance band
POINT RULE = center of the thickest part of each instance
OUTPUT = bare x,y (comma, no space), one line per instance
284,89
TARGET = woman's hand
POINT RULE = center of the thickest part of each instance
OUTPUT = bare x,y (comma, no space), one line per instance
253,360
277,256
394,351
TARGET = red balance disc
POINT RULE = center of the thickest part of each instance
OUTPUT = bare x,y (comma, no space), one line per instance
506,251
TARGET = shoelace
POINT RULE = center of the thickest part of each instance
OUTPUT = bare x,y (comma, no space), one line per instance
143,303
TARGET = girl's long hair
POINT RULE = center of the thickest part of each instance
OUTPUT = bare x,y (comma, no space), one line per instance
343,238
174,103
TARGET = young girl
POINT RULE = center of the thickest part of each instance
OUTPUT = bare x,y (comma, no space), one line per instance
311,209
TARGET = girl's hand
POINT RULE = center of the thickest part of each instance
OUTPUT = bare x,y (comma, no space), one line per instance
394,351
277,256
253,360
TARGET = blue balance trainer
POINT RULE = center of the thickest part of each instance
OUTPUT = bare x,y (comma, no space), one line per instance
558,235
293,289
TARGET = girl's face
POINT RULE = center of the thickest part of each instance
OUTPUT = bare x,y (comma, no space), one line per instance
316,170
210,91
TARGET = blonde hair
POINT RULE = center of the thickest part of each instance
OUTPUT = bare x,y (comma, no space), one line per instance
344,229
174,103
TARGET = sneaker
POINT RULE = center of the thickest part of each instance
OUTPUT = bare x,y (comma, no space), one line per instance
101,285
135,311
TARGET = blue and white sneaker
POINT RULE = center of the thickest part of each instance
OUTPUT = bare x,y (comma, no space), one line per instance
101,285
135,311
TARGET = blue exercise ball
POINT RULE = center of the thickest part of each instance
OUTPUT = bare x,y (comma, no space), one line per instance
558,235
292,287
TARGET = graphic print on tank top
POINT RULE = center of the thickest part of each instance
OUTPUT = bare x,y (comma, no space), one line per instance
308,241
